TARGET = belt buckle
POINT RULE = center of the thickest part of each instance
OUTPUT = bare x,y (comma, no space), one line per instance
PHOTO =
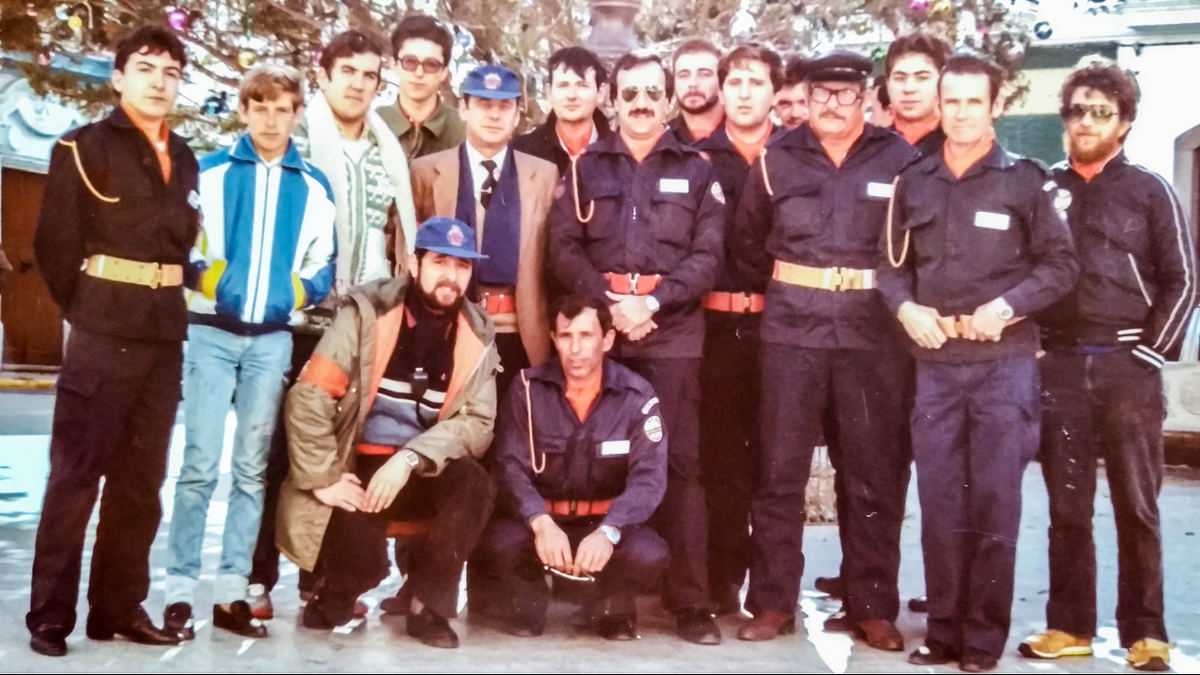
572,507
745,303
634,277
836,278
156,279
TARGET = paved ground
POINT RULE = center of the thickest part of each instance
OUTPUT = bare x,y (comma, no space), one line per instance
381,644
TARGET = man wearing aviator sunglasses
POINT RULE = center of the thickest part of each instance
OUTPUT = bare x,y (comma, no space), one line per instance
639,224
424,125
1104,348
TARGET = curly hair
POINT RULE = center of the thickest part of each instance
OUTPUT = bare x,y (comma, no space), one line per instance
1105,76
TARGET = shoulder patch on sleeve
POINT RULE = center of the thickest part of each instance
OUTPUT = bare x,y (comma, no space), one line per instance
649,404
1062,202
717,193
652,427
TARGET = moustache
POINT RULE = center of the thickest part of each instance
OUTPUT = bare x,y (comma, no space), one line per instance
449,285
639,112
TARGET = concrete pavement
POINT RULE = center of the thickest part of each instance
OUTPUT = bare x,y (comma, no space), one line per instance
381,644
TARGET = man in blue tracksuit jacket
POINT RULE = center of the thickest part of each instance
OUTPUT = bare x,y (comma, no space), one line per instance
266,250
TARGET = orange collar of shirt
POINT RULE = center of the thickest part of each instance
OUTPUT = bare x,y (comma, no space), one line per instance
640,148
1088,170
749,149
960,163
913,132
838,148
158,139
574,144
581,399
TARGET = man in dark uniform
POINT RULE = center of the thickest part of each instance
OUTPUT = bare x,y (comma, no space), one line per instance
791,102
117,224
694,74
729,371
810,216
643,228
577,84
1102,389
974,245
576,501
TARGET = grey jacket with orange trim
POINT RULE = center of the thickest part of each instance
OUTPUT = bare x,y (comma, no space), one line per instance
330,401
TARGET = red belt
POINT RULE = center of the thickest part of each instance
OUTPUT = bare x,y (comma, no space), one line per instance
578,508
372,449
740,303
632,284
498,303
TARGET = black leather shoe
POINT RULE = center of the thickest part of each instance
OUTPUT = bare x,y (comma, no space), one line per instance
397,605
977,661
831,586
614,627
138,628
239,618
932,654
431,629
49,640
919,604
178,621
697,626
839,623
525,625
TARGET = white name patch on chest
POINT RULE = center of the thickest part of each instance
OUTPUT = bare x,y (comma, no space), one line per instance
674,186
880,190
992,221
614,448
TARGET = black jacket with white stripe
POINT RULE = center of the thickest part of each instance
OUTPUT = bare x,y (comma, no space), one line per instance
1137,257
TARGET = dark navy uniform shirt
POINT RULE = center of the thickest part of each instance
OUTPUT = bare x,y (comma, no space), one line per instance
993,233
618,452
129,212
542,141
664,215
820,215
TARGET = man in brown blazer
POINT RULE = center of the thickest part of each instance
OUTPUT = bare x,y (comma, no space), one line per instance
506,196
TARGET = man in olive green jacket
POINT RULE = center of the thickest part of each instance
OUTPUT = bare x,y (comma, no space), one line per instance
387,422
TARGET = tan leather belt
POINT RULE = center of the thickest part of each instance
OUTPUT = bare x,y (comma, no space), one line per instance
112,268
959,326
501,300
826,278
740,303
578,508
632,284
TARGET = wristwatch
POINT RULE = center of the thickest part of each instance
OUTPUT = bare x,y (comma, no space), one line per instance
613,534
411,458
652,304
1002,309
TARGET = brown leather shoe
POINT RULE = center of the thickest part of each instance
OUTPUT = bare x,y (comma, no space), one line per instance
880,634
767,625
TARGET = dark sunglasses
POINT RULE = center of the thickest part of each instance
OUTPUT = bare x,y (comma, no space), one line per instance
1099,112
410,63
628,94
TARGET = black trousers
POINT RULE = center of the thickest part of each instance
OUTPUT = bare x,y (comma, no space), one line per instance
112,418
974,428
729,443
512,360
506,561
681,519
1103,406
354,557
865,390
265,565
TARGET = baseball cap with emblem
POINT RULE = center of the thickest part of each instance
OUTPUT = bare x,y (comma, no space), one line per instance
838,66
491,81
448,237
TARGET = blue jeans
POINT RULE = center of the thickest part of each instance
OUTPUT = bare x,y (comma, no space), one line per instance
220,367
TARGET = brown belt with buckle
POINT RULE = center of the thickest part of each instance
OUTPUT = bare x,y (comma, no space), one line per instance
498,300
826,278
959,326
575,508
632,284
738,303
112,268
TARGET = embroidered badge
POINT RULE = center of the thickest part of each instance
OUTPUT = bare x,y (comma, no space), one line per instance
194,199
649,404
491,81
653,428
717,193
1062,202
455,236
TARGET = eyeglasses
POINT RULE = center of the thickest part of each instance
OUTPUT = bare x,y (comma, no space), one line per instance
411,63
1099,112
628,94
842,96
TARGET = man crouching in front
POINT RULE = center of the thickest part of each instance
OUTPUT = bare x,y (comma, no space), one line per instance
386,423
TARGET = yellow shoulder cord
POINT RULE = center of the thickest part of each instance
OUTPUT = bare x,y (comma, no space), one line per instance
533,463
83,174
907,233
575,188
762,160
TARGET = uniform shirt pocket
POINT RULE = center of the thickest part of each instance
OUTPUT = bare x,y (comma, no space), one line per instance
798,208
674,215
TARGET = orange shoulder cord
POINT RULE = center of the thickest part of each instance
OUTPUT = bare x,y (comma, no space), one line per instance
533,463
907,233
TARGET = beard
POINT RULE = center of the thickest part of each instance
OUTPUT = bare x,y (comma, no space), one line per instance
1101,147
709,104
433,303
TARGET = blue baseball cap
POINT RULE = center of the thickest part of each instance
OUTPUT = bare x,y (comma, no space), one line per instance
448,237
494,82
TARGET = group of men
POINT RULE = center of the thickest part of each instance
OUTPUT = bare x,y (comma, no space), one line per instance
602,352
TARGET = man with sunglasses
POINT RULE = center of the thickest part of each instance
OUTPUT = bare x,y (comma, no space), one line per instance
422,122
809,221
1101,381
976,245
580,471
641,225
